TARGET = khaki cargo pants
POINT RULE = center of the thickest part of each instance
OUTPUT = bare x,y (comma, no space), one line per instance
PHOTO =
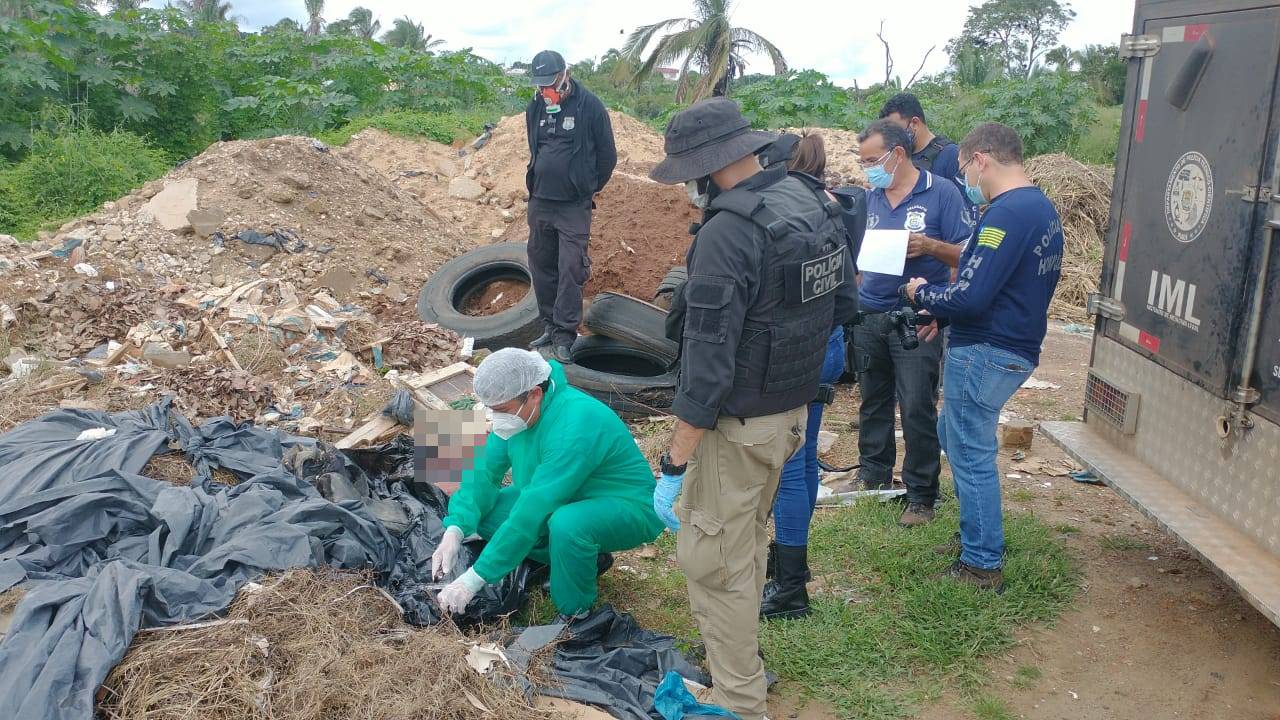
723,545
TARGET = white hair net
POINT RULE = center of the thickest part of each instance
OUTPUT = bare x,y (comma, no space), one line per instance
508,373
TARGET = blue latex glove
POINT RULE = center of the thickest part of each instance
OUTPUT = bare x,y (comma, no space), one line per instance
664,496
673,701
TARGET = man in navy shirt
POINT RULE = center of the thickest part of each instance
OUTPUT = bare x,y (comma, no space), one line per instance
930,208
998,307
929,151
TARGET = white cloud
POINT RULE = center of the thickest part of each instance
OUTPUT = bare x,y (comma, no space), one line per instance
836,38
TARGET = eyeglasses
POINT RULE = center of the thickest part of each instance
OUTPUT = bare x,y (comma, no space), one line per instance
864,164
966,163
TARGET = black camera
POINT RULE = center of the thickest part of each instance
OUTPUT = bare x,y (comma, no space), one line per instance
904,323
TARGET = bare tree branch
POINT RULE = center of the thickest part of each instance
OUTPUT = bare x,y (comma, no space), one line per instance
888,56
923,60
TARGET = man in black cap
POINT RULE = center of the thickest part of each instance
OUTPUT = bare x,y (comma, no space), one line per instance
571,157
769,276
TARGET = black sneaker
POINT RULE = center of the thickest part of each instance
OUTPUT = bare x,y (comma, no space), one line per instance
962,572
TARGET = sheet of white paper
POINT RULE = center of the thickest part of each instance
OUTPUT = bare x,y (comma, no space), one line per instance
883,251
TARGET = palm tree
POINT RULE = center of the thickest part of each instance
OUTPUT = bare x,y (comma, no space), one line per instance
362,23
206,10
124,5
407,34
708,42
315,21
284,25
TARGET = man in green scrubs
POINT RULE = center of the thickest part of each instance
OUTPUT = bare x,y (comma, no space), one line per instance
579,485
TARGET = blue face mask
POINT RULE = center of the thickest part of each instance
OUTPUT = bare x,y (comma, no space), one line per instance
974,192
879,177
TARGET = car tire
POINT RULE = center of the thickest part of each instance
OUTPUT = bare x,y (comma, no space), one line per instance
632,322
633,381
449,288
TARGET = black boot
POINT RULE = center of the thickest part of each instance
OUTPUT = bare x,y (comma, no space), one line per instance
785,597
771,567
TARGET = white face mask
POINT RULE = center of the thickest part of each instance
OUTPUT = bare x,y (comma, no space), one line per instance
507,425
700,199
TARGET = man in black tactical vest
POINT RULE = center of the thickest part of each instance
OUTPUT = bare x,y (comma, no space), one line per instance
769,276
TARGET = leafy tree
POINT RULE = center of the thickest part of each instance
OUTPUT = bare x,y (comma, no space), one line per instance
972,66
407,34
1019,31
206,11
1051,111
794,99
124,5
363,24
284,25
708,42
1102,68
315,19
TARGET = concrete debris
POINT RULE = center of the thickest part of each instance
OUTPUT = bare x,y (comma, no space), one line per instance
206,222
465,188
169,208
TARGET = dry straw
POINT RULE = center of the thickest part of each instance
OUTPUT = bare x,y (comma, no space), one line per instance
309,645
1082,194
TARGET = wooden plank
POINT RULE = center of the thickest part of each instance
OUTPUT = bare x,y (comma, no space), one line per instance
443,373
369,432
222,345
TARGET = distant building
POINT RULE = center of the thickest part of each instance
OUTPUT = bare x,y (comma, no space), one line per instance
672,74
516,71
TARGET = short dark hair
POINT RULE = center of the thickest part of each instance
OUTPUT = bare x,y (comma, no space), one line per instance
999,141
891,134
905,105
545,385
810,156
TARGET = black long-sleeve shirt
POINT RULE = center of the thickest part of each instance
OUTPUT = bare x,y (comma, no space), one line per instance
571,153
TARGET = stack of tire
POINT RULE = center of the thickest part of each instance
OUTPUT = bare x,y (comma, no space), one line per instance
625,362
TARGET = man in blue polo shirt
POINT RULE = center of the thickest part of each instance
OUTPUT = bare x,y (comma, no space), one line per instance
998,307
931,209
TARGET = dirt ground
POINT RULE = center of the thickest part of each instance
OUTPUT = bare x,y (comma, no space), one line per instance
1153,634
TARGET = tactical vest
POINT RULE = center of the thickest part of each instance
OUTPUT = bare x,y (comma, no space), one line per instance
784,336
923,160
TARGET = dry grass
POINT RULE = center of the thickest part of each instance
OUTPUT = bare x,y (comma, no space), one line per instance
1082,194
258,353
653,436
309,645
9,600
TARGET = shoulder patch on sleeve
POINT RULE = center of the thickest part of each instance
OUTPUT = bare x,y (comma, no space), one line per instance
990,237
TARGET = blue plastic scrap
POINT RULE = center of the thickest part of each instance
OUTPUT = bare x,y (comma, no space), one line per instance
1084,476
673,701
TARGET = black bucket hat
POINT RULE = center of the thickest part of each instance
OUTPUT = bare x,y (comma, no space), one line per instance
545,67
708,136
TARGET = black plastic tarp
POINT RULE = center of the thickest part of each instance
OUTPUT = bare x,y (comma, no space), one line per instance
103,550
606,659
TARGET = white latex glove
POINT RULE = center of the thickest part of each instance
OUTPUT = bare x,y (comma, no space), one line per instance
446,554
455,596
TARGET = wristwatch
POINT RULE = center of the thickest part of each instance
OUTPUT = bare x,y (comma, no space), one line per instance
668,468
904,292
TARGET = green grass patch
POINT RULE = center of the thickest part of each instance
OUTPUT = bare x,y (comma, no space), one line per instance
439,127
885,638
1121,543
1026,677
988,707
70,173
1021,495
1066,529
1098,144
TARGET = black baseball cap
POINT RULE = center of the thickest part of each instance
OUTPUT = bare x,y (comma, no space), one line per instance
545,67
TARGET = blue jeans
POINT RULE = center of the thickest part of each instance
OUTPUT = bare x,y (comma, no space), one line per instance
980,379
798,487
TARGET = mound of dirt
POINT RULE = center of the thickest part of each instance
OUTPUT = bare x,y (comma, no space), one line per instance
639,231
842,155
331,211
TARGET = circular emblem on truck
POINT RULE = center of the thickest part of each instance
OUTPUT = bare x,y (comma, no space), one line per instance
1188,197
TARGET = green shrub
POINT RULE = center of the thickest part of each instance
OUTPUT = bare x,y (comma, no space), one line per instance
70,173
440,127
1051,111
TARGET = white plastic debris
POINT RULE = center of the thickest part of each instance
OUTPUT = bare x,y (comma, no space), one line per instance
468,347
111,285
1033,384
86,269
7,316
97,433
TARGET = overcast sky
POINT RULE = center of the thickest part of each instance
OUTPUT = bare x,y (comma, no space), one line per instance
836,38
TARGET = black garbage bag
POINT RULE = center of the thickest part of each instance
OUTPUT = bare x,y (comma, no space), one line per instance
606,659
